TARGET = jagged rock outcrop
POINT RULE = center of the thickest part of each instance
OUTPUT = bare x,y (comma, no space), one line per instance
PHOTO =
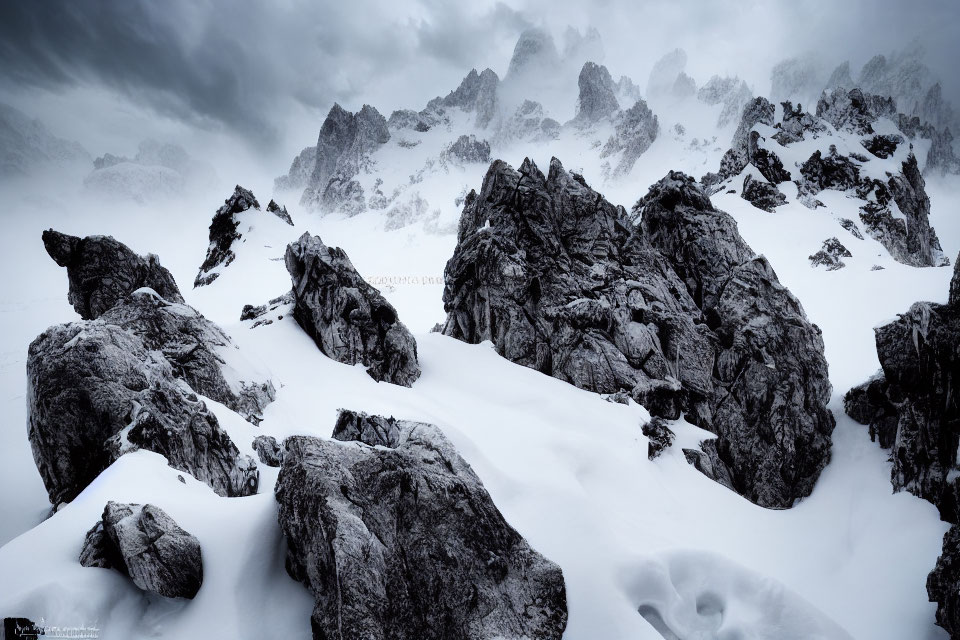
468,150
280,212
941,158
853,110
796,125
358,515
882,145
343,148
268,450
299,173
535,53
199,352
477,94
761,194
912,407
146,544
840,77
943,583
347,318
660,437
95,392
635,129
830,254
851,226
223,233
920,243
598,95
528,123
102,271
834,171
737,157
561,281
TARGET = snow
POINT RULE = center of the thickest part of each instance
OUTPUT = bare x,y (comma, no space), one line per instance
568,470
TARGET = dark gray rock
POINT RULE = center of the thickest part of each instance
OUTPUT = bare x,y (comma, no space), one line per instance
598,95
912,407
883,145
736,159
943,583
223,233
634,131
397,538
264,314
280,212
797,125
467,149
920,242
144,543
102,271
762,195
834,171
561,281
347,318
767,162
477,94
851,226
268,450
95,392
707,461
660,437
830,254
343,148
199,352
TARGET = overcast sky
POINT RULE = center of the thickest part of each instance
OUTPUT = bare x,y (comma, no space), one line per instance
109,73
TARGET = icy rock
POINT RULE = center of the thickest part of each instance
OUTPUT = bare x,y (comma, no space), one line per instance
95,392
635,129
347,318
467,149
883,145
358,515
660,437
943,583
912,406
264,314
830,254
343,148
562,281
268,450
762,195
851,226
198,351
102,271
598,95
767,162
146,544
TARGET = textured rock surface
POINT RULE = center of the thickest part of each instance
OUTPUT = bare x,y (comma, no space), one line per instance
882,145
830,254
145,543
468,149
347,318
735,160
635,129
834,171
733,93
397,538
103,271
299,173
853,110
761,194
908,191
477,93
280,212
660,436
223,233
199,352
678,312
797,125
598,95
943,583
912,407
95,392
268,450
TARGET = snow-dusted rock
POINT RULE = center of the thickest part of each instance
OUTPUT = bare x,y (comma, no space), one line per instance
941,159
95,392
829,255
598,95
835,171
560,281
943,583
635,129
909,193
477,94
852,110
279,211
529,124
534,53
102,271
347,318
268,450
840,77
660,437
737,157
882,145
359,515
223,233
761,194
467,150
797,124
145,543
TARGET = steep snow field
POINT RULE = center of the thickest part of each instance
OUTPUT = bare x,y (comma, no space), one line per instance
568,470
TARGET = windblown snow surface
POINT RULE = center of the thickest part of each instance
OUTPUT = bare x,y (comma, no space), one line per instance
644,545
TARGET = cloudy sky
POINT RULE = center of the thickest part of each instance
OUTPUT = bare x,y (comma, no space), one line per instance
262,75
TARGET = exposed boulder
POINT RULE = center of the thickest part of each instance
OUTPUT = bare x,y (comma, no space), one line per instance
144,543
943,583
660,437
102,271
767,162
796,125
268,450
467,149
834,171
561,281
347,318
634,131
882,145
762,195
223,234
95,392
598,95
358,515
736,159
199,352
830,254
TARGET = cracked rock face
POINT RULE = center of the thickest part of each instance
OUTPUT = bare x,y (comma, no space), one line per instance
103,271
146,544
347,318
678,312
95,392
598,95
762,195
198,351
635,129
397,538
268,450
